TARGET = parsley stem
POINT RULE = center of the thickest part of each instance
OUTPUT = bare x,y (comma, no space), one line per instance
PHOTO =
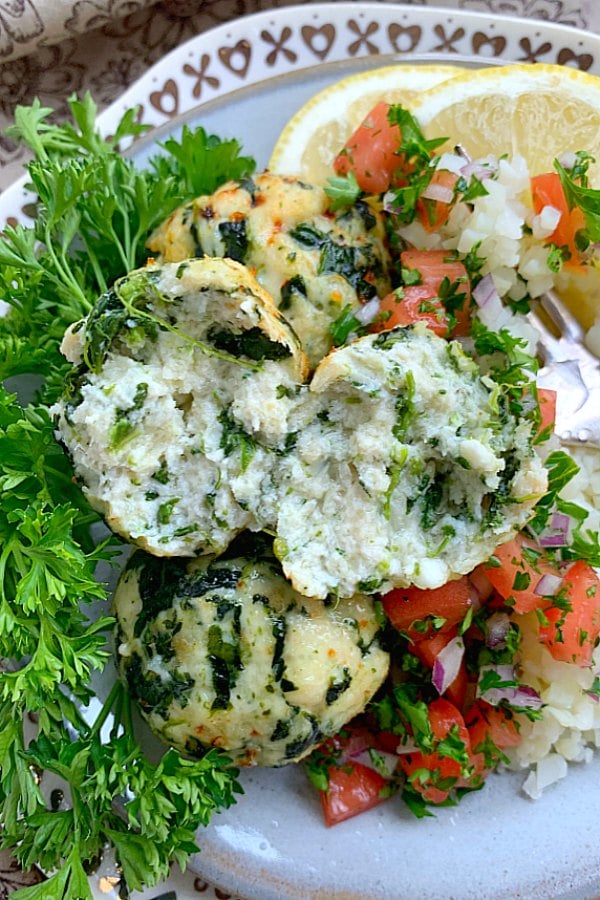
115,697
65,273
98,273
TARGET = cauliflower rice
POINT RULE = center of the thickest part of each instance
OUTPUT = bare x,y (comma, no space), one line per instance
569,730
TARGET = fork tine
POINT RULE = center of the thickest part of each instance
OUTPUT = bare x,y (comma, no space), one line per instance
561,316
548,346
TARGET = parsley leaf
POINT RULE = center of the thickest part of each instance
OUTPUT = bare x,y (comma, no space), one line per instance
95,211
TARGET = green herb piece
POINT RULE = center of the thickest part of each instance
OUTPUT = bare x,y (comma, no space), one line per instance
234,437
587,199
342,190
345,325
199,162
252,343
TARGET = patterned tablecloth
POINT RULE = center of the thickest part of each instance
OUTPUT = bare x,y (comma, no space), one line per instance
52,48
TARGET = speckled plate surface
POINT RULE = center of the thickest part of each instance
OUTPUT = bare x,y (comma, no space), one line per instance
245,79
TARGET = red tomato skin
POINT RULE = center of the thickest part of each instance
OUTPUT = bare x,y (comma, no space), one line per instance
433,213
405,606
513,564
547,190
485,722
370,152
420,302
571,636
443,715
353,789
411,304
547,402
427,650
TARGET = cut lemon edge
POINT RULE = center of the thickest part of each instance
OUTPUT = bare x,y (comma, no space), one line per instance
538,111
314,136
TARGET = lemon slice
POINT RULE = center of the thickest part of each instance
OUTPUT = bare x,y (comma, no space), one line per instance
314,136
538,111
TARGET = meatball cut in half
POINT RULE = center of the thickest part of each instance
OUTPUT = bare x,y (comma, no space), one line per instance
316,264
222,652
186,376
413,472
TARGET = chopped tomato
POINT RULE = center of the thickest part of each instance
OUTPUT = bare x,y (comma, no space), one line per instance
515,570
547,401
428,649
418,612
407,305
434,213
352,789
491,731
547,190
574,618
370,152
441,289
435,774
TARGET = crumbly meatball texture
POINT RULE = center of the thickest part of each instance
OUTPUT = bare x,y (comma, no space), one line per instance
224,653
397,464
412,470
315,263
175,366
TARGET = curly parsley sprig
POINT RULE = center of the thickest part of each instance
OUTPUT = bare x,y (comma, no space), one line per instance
95,210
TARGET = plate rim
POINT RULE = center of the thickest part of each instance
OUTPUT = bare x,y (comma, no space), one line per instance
285,13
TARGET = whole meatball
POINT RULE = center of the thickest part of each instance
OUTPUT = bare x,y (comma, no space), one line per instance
223,652
316,263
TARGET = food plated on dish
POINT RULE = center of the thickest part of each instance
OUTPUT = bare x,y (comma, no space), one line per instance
390,478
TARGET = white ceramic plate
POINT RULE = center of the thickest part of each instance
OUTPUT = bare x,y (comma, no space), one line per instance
249,77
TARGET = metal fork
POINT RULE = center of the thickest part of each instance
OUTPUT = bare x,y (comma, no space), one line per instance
569,369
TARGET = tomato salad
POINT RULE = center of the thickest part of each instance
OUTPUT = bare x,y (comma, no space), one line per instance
455,703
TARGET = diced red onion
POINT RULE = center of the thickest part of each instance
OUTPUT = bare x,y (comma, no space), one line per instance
447,664
389,203
557,534
385,763
407,746
482,584
497,628
366,313
477,169
560,521
567,159
521,695
548,585
475,600
438,192
485,292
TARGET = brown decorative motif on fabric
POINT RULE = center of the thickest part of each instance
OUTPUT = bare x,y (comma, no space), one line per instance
481,41
567,56
404,38
170,94
319,40
363,38
201,76
19,23
91,14
279,46
237,59
11,877
532,55
221,895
